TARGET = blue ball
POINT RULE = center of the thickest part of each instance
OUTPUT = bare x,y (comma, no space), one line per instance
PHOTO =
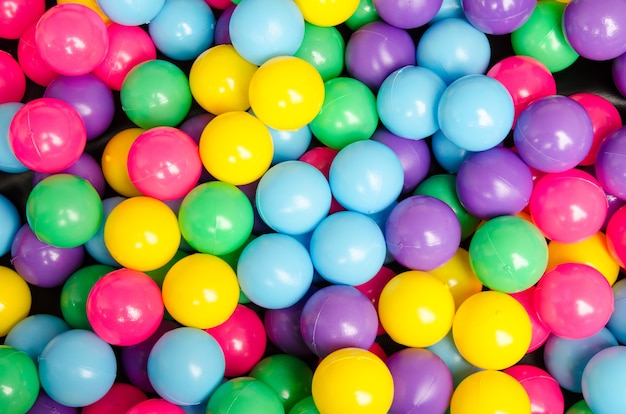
449,9
449,155
131,12
290,145
32,334
453,48
459,367
603,381
275,271
8,161
348,248
183,29
617,323
186,365
95,246
263,29
476,112
366,176
77,368
10,223
407,102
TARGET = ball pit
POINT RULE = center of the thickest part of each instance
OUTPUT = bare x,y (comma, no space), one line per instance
312,107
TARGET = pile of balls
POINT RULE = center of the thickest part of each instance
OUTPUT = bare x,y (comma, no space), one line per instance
311,206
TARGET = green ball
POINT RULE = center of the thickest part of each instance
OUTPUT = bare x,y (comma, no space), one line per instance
159,274
348,113
156,93
19,381
365,13
244,395
324,48
305,406
580,407
508,254
542,37
64,210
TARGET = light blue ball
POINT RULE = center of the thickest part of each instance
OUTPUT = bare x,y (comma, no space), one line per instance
459,367
32,334
290,145
77,368
183,29
453,48
449,9
275,271
603,381
293,197
366,176
95,246
186,365
10,223
263,29
617,323
348,248
8,161
449,155
131,12
476,112
407,102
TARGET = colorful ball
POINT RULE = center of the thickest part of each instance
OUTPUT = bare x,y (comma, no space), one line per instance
289,145
8,161
498,17
327,13
131,12
13,81
85,167
365,13
449,354
608,168
222,32
447,154
244,395
407,15
373,288
17,16
540,332
458,275
115,162
32,334
543,390
324,48
580,407
120,398
15,299
600,380
92,4
95,247
490,391
30,60
19,379
11,223
156,405
46,405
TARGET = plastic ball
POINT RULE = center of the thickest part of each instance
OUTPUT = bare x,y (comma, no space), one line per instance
490,391
422,232
185,366
498,17
96,247
85,167
327,13
407,102
142,233
365,13
322,158
449,354
71,38
618,74
608,166
92,4
447,154
293,197
458,275
30,60
348,113
120,398
373,288
449,9
222,32
19,379
574,300
11,223
236,147
453,48
46,405
42,264
274,271
123,55
244,395
616,241
115,162
8,161
543,390
476,112
262,29
13,81
600,380
47,135
155,405
580,407
416,309
216,218
324,48
540,332
553,134
77,368
18,15
15,299
131,12
183,29
541,37
376,50
286,92
569,206
64,210
347,248
32,334
290,144
407,15
304,406
615,323
200,291
156,93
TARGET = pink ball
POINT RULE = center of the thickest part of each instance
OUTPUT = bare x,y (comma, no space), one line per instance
125,307
71,38
616,236
156,406
374,287
30,60
17,15
540,331
574,300
128,46
568,206
12,79
164,163
219,4
543,390
120,398
47,135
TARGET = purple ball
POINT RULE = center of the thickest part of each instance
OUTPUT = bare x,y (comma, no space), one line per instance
41,264
338,316
407,14
493,183
618,72
553,134
376,50
222,34
596,29
195,125
85,167
414,156
90,96
422,382
498,16
610,163
46,405
422,232
614,205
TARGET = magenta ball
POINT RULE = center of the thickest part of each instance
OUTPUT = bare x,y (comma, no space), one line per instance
407,14
338,316
375,50
610,166
30,60
85,167
12,79
498,17
493,183
553,134
422,232
423,383
596,29
543,390
540,332
17,15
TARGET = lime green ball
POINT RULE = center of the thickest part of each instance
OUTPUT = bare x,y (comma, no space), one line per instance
244,395
364,14
324,48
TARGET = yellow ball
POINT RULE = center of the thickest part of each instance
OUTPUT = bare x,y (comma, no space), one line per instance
327,12
92,4
15,299
201,291
115,161
352,380
490,392
236,147
142,233
459,276
492,330
220,79
286,93
416,309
